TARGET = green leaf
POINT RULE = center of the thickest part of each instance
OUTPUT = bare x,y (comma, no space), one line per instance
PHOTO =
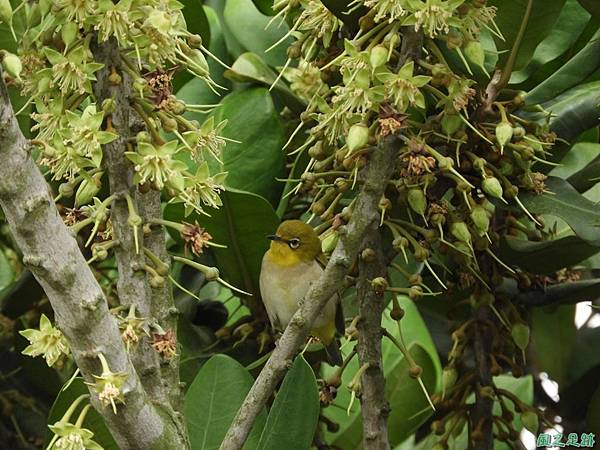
566,293
585,356
545,257
592,6
93,420
509,16
212,401
582,215
573,72
416,334
264,6
553,335
340,9
247,25
587,177
592,419
249,67
242,224
409,406
293,417
254,162
196,20
569,26
7,274
576,111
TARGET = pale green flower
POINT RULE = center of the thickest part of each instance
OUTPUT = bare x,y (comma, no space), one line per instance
72,437
202,189
402,88
77,10
206,138
84,134
108,385
47,341
157,165
116,19
388,10
74,71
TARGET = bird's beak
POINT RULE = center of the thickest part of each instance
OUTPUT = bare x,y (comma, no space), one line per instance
274,237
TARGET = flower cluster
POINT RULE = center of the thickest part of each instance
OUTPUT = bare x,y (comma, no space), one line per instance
59,71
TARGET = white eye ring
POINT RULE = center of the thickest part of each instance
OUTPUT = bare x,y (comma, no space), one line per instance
294,243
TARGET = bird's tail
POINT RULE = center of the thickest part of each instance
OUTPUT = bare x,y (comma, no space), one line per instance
334,356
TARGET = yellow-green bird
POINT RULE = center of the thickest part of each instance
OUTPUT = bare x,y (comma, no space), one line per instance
288,269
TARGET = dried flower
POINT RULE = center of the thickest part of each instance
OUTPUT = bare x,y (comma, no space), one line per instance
195,237
165,344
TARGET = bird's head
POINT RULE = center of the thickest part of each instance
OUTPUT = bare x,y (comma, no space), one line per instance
294,241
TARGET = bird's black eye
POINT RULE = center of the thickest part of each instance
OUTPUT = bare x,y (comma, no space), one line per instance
294,243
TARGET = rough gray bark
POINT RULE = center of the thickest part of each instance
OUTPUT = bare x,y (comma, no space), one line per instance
132,286
482,412
160,379
53,256
374,406
377,175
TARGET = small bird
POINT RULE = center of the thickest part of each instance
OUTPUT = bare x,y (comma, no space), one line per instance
288,269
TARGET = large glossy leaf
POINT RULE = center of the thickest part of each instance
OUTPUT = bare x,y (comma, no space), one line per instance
575,71
93,420
212,401
293,417
509,17
587,176
576,111
582,215
242,224
194,91
249,67
569,26
196,20
264,6
545,257
247,24
415,333
553,334
256,159
593,7
573,292
584,355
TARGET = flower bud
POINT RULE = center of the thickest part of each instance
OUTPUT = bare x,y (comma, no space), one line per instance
451,123
415,371
329,241
473,51
211,274
358,137
6,11
504,133
460,231
378,56
417,201
143,136
492,187
379,285
520,334
480,219
12,65
157,281
363,79
88,189
449,377
108,106
194,40
66,190
68,33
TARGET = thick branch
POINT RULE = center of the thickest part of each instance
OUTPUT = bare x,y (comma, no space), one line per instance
52,255
132,284
378,173
481,413
374,406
